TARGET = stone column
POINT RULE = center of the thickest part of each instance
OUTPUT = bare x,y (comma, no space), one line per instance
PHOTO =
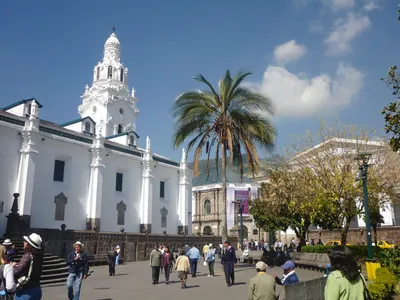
184,198
93,205
26,170
146,196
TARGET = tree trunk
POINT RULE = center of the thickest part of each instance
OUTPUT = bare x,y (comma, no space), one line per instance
306,225
374,226
224,196
344,232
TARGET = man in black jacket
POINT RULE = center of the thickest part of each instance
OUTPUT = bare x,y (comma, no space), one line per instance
112,257
229,261
78,269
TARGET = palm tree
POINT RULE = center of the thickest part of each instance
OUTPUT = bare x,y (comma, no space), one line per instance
232,121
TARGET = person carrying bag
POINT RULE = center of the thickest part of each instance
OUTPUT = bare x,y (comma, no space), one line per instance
7,283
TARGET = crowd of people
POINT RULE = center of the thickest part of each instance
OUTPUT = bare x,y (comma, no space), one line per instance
21,281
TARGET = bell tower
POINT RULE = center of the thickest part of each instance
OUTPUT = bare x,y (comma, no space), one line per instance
108,101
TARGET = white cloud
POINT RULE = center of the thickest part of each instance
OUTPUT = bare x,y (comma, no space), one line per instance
344,32
342,4
371,6
288,52
299,97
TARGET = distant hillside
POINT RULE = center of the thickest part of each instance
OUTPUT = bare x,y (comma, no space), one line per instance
233,174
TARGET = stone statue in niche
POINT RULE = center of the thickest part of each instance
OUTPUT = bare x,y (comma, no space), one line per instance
121,208
34,110
60,200
164,213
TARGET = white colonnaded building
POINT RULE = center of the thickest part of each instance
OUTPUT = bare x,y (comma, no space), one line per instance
91,173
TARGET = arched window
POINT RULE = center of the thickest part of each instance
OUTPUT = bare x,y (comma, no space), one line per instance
109,73
98,73
119,128
207,207
121,75
207,230
87,126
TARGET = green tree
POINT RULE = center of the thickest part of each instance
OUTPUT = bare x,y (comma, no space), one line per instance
229,122
391,112
331,153
288,200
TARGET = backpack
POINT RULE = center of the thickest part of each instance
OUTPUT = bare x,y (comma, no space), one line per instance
7,296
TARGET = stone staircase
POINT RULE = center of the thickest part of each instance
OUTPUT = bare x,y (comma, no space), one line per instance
55,269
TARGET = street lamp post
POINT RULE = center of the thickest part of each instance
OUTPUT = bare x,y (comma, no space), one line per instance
363,175
241,207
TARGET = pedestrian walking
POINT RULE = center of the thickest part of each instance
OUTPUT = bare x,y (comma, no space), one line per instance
194,257
229,262
345,282
206,247
118,250
210,259
182,267
261,286
112,257
7,283
28,286
10,248
166,262
161,248
78,270
155,264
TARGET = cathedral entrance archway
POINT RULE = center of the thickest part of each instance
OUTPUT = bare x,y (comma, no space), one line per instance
207,230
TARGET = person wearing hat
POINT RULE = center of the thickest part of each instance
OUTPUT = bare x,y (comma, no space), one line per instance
210,259
78,269
10,248
31,262
261,286
289,274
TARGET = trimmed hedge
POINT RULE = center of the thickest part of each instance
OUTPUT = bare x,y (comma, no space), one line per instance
360,251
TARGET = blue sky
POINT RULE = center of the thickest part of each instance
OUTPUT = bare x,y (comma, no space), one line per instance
315,58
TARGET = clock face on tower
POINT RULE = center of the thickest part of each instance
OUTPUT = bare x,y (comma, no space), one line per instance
94,108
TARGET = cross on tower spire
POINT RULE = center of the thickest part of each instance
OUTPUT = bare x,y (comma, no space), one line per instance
114,29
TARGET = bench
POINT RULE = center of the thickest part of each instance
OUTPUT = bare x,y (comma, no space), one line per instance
313,261
252,258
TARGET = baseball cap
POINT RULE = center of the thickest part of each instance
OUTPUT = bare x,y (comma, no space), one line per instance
261,266
288,265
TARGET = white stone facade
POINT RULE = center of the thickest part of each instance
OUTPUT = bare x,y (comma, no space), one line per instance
90,173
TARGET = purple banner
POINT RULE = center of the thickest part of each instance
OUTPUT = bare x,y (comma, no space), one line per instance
243,195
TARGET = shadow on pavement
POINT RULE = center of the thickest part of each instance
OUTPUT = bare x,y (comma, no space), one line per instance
122,274
192,286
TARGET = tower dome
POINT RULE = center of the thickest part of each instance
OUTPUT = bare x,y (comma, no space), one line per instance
112,41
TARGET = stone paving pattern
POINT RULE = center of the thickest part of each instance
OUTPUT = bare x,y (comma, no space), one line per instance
133,281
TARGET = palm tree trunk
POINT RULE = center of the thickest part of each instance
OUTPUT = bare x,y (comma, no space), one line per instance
224,197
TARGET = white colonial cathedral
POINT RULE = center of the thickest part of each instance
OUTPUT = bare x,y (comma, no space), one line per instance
91,173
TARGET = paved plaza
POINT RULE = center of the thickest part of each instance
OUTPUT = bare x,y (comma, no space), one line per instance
133,281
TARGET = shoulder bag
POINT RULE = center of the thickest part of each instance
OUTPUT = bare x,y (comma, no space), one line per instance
21,282
367,295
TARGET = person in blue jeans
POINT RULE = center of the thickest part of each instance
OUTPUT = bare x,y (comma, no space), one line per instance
78,270
194,257
31,262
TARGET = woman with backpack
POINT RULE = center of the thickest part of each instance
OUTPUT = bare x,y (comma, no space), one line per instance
7,285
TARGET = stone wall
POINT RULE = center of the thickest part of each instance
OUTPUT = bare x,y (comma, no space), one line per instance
307,290
134,247
358,236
